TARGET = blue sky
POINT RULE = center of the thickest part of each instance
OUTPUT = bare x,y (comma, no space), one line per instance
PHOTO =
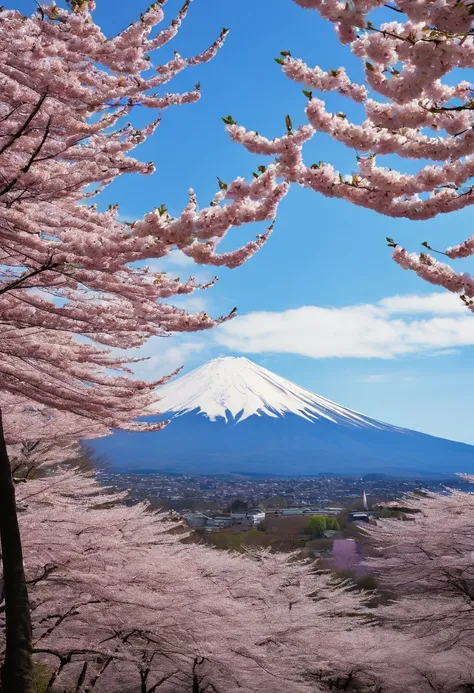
360,331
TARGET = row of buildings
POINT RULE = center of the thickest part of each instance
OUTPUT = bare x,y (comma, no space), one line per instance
304,511
252,518
249,518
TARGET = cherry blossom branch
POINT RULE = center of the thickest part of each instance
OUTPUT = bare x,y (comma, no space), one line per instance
406,93
15,284
25,125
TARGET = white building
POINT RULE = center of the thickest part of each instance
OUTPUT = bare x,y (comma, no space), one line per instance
196,519
250,518
220,521
285,512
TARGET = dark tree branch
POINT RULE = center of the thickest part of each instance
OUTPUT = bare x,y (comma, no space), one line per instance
15,284
32,158
47,570
22,129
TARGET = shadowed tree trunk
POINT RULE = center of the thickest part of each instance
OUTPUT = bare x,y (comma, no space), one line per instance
17,673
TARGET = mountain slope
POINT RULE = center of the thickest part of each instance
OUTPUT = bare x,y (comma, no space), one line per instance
236,388
232,416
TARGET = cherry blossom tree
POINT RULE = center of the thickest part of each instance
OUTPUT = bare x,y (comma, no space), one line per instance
68,269
119,603
427,565
412,105
36,437
39,438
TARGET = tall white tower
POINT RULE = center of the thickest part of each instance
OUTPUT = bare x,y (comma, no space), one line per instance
364,500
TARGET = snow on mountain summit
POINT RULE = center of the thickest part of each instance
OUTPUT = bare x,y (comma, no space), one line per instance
231,416
237,388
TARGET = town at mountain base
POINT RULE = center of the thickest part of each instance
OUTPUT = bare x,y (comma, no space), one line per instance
231,416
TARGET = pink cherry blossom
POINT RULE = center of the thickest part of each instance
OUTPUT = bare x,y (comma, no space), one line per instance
413,107
74,292
121,601
427,563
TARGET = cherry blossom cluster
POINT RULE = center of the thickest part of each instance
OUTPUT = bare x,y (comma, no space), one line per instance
68,93
119,602
40,437
75,285
411,108
122,600
59,372
427,565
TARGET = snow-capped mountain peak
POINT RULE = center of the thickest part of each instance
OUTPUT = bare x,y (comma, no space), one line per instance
233,417
235,388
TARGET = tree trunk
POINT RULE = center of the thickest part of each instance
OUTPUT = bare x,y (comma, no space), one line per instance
17,674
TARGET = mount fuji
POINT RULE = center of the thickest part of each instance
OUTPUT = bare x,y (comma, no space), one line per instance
231,416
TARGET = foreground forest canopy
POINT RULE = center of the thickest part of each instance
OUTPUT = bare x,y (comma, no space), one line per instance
99,595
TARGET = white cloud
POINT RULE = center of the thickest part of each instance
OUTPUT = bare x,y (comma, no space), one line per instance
446,352
173,260
177,263
164,355
178,259
384,330
195,303
436,304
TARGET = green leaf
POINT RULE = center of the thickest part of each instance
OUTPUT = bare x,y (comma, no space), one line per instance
369,66
288,123
280,61
307,93
222,185
228,120
285,54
